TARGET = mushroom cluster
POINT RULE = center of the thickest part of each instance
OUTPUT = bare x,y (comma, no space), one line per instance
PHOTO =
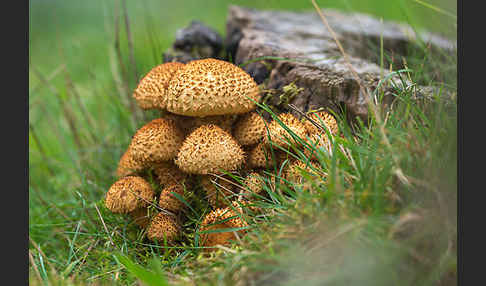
209,128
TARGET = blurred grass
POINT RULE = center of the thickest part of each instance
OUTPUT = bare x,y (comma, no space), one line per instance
79,131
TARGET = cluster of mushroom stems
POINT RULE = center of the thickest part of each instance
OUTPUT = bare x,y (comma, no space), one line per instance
209,127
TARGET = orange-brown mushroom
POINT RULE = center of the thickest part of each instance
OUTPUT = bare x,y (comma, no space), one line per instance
211,87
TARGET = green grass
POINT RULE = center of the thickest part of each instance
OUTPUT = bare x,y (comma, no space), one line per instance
78,133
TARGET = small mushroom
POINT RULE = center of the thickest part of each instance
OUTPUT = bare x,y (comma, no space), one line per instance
167,173
222,218
278,134
157,141
293,171
254,185
249,129
211,87
209,149
164,227
168,201
328,120
151,92
218,191
128,165
128,194
261,156
319,141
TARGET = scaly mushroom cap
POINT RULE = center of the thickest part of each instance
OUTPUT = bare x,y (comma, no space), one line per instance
293,171
164,226
157,141
328,120
141,217
261,157
128,165
254,183
168,201
278,134
128,194
168,173
211,87
218,191
209,149
151,91
249,129
212,221
321,141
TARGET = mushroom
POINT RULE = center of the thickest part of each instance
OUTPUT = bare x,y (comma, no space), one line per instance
219,219
157,141
164,227
128,165
151,92
218,191
211,87
167,173
319,141
261,157
254,185
278,134
328,120
249,129
209,149
293,171
128,194
168,201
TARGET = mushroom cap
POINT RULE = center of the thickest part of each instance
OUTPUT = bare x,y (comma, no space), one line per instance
249,129
141,217
293,171
157,141
261,157
168,201
128,194
167,173
209,149
278,134
212,221
163,226
151,91
254,184
321,141
328,120
211,87
128,165
218,191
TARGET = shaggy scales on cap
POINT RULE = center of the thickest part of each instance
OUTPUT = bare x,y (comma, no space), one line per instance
220,219
128,194
211,87
249,129
168,173
209,149
128,165
328,120
164,227
151,91
168,201
157,141
278,133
